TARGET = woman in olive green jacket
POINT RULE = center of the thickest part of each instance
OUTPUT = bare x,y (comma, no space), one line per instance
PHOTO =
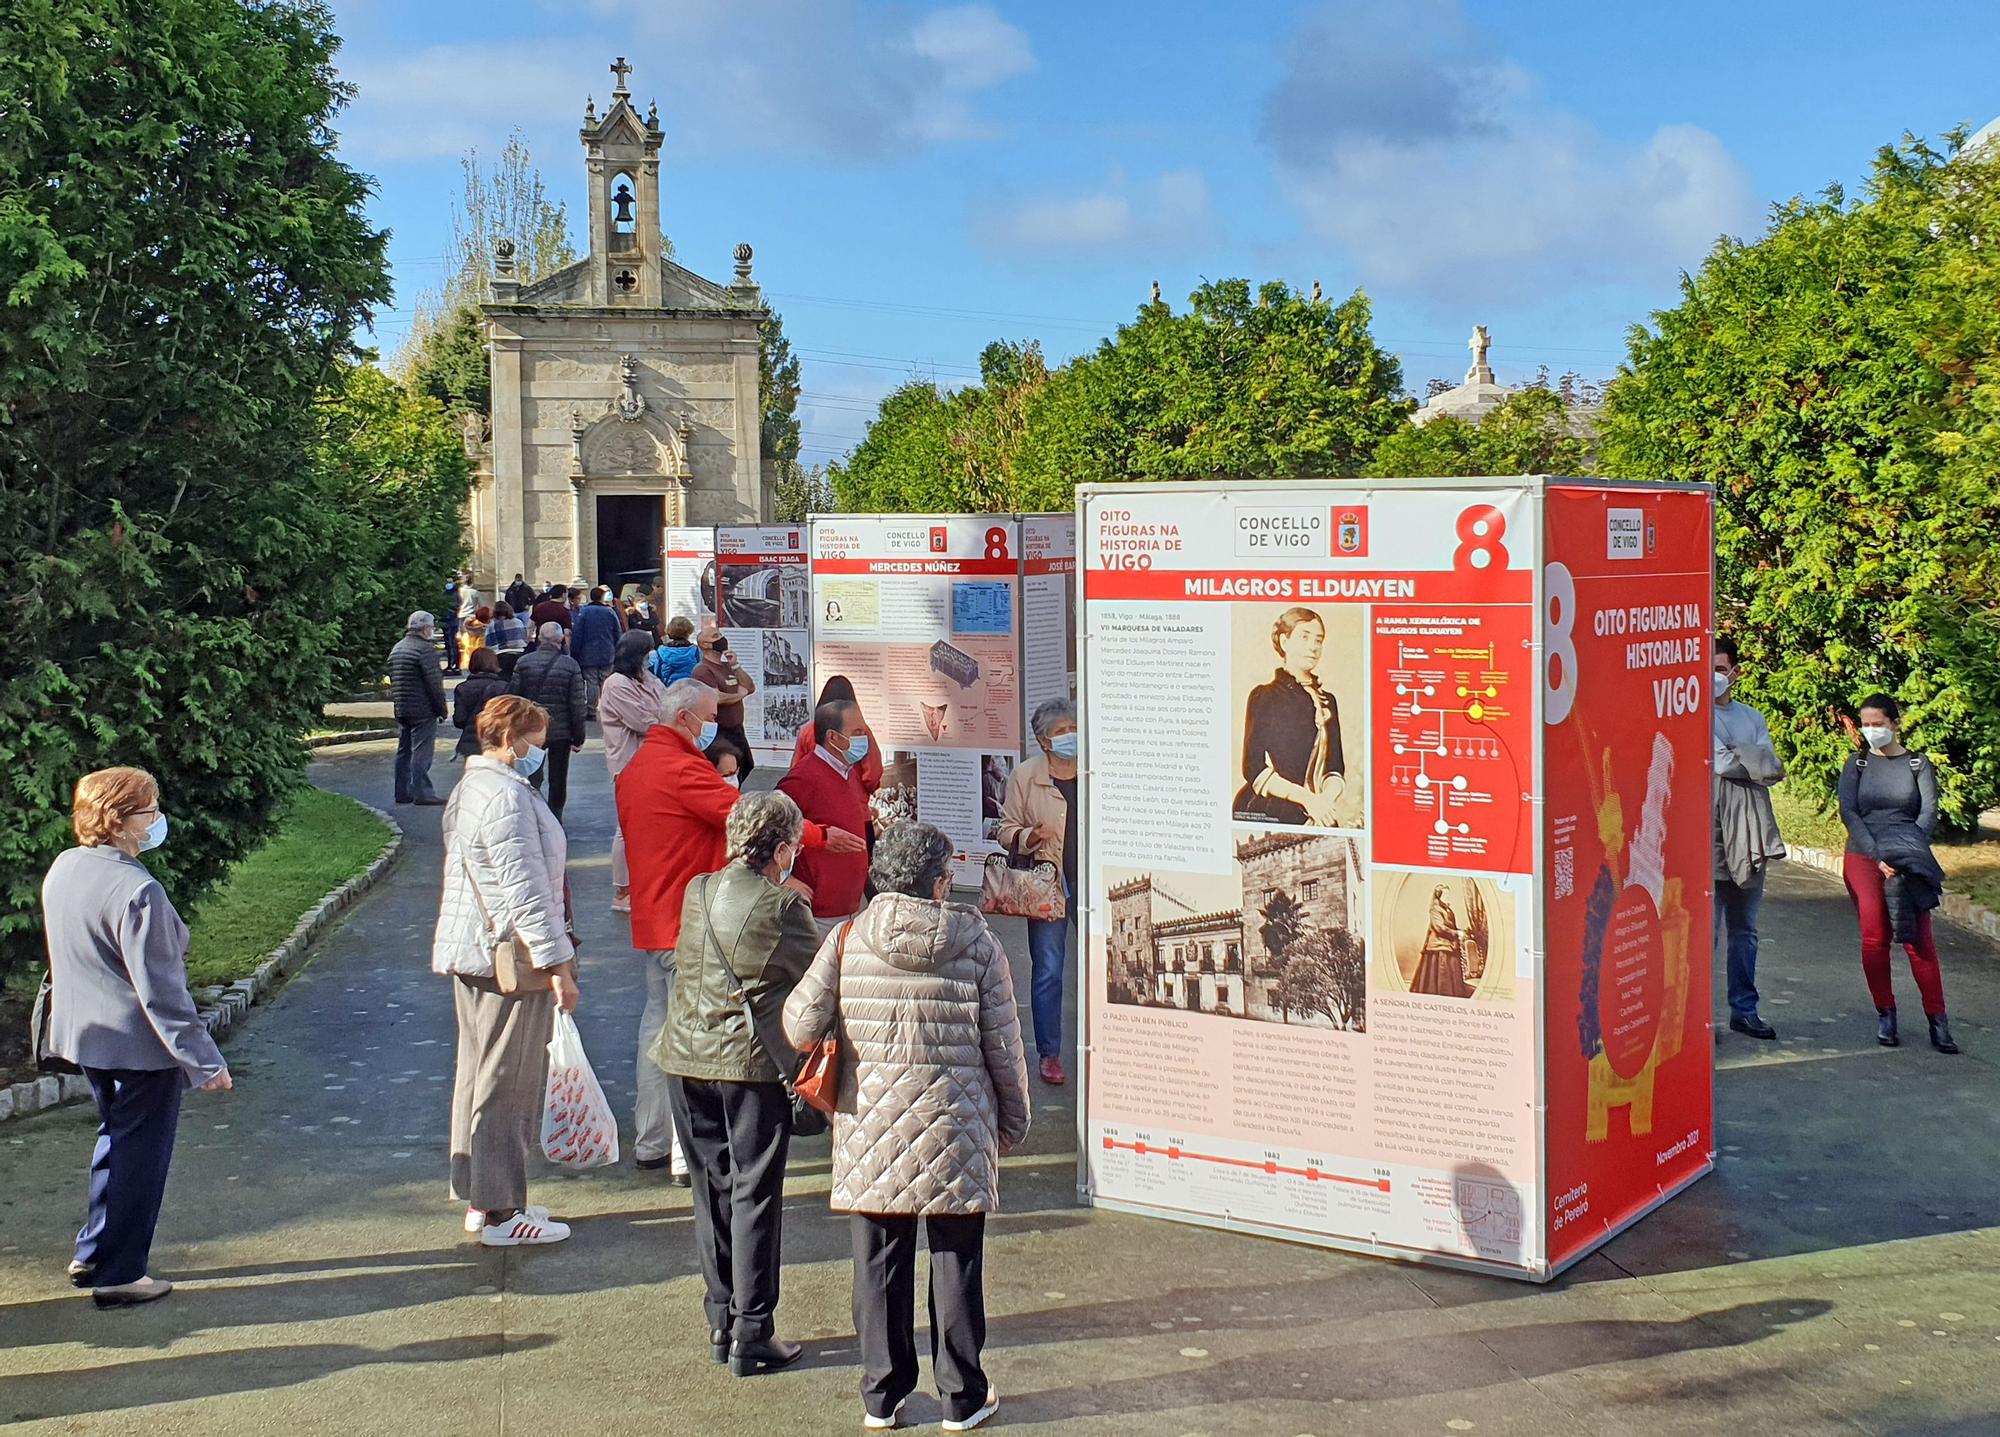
741,930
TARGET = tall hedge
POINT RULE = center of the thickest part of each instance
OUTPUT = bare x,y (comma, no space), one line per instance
183,262
1838,381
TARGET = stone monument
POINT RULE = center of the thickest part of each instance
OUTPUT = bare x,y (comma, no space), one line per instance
624,386
1473,400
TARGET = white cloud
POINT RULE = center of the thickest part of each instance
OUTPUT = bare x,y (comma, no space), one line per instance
826,79
973,47
1171,210
1441,171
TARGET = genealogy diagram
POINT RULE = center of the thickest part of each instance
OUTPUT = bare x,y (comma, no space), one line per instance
1453,733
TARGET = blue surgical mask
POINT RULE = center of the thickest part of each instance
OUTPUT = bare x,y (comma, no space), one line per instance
857,748
156,833
528,762
707,734
1063,745
789,866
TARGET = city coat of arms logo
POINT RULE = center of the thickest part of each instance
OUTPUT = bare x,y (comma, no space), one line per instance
938,540
1350,531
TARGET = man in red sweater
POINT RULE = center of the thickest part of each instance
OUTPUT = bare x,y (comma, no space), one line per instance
672,806
827,788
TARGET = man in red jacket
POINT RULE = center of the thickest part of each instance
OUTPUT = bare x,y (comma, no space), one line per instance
828,790
672,806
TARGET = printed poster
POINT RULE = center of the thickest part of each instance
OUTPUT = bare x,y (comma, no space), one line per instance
1271,900
1626,645
764,592
689,579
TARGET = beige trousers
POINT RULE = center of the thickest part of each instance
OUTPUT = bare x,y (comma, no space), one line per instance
503,1074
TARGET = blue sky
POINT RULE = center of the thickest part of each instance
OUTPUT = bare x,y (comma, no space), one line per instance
918,179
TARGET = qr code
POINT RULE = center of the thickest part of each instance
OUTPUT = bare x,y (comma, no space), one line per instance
1565,872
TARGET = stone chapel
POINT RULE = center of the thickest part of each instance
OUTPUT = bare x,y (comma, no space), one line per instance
624,386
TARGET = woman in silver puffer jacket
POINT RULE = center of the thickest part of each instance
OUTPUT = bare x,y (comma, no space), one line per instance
919,994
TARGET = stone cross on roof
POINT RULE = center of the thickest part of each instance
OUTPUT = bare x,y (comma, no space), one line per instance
1480,373
621,70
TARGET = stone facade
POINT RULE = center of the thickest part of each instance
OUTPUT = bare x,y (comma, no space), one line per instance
1321,873
624,386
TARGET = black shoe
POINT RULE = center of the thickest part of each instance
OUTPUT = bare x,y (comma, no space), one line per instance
1941,1034
649,1165
718,1346
1752,1028
428,802
746,1359
81,1273
404,800
1885,1028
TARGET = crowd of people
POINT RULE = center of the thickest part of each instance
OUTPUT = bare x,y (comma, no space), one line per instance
768,923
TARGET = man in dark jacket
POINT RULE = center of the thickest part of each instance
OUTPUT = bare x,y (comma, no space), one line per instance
520,595
416,696
593,640
551,678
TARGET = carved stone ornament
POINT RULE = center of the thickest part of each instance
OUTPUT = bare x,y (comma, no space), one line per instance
631,404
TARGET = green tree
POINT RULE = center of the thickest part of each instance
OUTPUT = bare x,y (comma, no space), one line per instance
1837,381
184,262
1272,384
396,464
803,490
452,366
444,352
1531,432
777,396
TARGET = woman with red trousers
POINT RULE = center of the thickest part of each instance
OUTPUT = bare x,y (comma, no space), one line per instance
1889,802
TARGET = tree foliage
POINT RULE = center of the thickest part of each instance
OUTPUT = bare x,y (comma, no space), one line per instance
396,465
777,396
803,490
444,353
1531,432
1325,971
184,263
1838,381
1266,384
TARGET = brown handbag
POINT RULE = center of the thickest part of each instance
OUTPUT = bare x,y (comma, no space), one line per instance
818,1080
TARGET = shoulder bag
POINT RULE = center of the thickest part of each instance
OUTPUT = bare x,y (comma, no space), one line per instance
1021,886
39,1019
818,1082
510,954
807,1119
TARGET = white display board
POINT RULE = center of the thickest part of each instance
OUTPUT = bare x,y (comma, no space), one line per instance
689,578
763,589
1315,814
926,616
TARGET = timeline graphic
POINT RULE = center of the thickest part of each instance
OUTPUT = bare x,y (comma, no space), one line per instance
1453,733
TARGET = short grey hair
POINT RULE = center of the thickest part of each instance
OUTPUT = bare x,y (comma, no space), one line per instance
681,696
759,823
1048,713
910,858
550,634
419,621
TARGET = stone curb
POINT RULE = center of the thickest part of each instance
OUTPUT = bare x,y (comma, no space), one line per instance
359,735
1955,906
221,1008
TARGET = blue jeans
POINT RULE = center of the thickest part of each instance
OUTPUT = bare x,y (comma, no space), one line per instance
1736,924
1048,953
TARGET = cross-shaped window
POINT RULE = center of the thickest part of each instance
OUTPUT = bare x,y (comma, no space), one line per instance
626,281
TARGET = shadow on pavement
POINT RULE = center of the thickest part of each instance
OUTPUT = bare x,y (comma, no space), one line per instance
115,1387
1405,1367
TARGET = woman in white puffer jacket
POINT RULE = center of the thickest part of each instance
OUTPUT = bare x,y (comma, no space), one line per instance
933,1089
504,858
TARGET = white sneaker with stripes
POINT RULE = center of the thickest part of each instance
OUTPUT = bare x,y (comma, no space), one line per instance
475,1220
523,1230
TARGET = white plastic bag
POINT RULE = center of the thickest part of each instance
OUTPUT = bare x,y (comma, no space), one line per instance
578,1130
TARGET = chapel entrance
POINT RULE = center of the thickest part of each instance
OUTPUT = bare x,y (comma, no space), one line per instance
631,529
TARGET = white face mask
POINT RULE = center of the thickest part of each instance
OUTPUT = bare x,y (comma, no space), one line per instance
1721,684
156,833
1879,736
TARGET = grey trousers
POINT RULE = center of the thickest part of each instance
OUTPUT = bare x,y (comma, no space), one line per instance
415,744
503,1074
593,685
653,1134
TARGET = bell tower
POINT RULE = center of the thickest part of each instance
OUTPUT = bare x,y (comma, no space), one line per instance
622,155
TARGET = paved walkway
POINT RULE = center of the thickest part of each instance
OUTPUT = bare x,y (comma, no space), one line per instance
1837,1275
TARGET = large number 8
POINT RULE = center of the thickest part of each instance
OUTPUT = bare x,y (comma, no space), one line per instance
1559,638
1481,528
996,543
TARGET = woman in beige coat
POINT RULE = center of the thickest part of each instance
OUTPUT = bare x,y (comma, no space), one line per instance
933,1088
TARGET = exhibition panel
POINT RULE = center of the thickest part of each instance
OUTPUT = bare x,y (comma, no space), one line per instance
763,591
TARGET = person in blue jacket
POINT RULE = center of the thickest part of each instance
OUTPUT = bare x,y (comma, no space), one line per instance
593,643
676,656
